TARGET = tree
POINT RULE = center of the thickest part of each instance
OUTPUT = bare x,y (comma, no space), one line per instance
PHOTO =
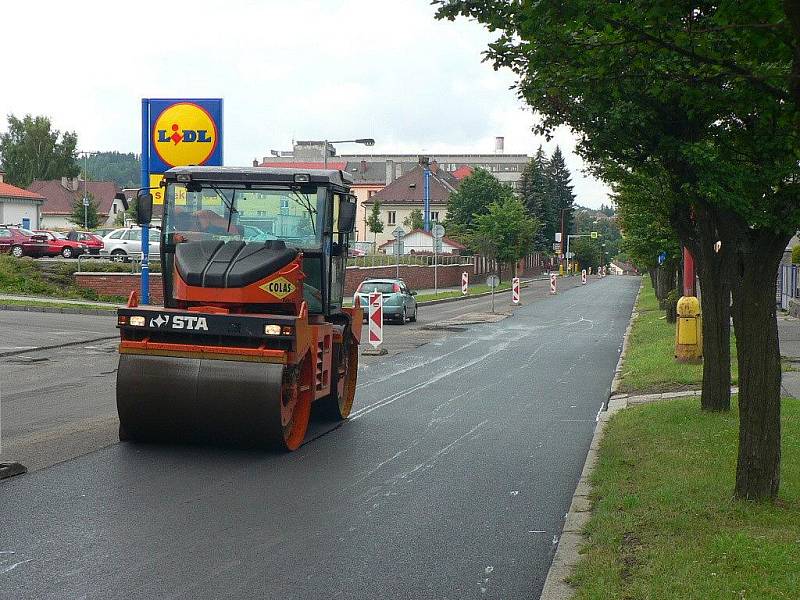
561,196
535,193
706,96
31,149
474,196
86,217
121,168
587,252
508,227
374,223
414,220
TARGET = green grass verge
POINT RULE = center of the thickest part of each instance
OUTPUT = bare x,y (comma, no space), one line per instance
665,524
44,304
29,277
650,364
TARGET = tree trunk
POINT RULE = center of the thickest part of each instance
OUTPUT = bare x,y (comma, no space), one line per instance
653,276
758,254
715,307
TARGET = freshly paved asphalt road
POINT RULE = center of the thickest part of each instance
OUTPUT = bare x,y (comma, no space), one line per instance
451,480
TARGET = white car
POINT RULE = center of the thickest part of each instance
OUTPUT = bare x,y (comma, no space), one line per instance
122,244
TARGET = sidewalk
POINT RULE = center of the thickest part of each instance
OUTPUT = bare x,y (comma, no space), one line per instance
789,337
55,300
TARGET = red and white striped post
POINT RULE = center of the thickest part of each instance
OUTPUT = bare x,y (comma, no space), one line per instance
553,284
464,283
375,319
583,277
515,290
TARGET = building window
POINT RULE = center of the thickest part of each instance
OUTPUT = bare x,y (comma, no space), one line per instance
434,216
392,217
370,194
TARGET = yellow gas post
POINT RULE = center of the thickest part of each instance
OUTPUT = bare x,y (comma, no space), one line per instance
689,324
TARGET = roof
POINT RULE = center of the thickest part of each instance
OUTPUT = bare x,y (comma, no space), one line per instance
445,240
336,165
59,200
408,188
463,171
11,191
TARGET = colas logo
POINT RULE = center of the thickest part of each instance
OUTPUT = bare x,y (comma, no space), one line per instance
279,287
184,134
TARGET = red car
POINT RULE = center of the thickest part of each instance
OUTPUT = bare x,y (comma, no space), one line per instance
60,245
22,242
93,241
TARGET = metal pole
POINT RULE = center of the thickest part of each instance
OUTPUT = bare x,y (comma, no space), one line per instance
145,175
435,268
567,254
562,234
492,297
426,199
397,257
325,155
85,192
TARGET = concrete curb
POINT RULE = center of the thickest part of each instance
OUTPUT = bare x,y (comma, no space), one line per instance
57,309
580,511
57,346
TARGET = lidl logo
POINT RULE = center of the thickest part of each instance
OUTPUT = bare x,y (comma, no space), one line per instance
184,133
280,287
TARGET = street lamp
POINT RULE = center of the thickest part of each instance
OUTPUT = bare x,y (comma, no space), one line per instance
365,141
86,154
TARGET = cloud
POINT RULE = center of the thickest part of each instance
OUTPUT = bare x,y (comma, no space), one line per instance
306,69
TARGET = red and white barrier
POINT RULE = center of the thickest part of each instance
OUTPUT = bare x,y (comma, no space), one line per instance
553,284
515,290
583,277
464,283
375,319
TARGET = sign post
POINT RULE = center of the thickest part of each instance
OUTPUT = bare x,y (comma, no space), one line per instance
464,283
515,290
492,281
375,319
553,285
438,234
583,277
175,133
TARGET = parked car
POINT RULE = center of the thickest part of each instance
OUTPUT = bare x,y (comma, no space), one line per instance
101,232
94,242
22,242
398,301
58,244
121,244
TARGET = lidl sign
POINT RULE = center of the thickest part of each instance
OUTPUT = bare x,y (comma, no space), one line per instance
184,132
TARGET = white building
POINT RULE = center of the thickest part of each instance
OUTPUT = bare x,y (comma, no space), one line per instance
18,206
421,242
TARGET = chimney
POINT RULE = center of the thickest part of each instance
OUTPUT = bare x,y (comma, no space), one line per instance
2,177
255,162
65,183
499,144
434,166
75,184
363,166
389,171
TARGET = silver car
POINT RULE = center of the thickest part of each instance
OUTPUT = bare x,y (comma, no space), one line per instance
398,301
123,244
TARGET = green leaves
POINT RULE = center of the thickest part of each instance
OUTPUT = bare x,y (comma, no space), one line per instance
506,228
31,149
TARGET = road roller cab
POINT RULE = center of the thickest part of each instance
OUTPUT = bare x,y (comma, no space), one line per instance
253,330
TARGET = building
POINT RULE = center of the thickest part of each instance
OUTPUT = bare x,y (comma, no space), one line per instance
61,195
419,241
405,194
18,206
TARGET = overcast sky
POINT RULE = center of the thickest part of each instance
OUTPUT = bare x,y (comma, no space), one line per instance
287,69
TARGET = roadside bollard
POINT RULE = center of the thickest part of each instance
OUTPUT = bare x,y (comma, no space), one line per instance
689,331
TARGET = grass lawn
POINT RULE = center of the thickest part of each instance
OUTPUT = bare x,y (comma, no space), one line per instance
30,277
665,524
650,361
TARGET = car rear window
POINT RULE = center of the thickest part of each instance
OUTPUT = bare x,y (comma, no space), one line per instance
376,286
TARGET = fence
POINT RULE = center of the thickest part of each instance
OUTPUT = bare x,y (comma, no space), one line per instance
420,260
787,285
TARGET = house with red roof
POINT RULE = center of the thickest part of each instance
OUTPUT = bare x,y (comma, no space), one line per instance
405,194
60,197
18,206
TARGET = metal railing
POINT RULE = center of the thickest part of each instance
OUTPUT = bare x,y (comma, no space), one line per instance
134,259
787,287
419,260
